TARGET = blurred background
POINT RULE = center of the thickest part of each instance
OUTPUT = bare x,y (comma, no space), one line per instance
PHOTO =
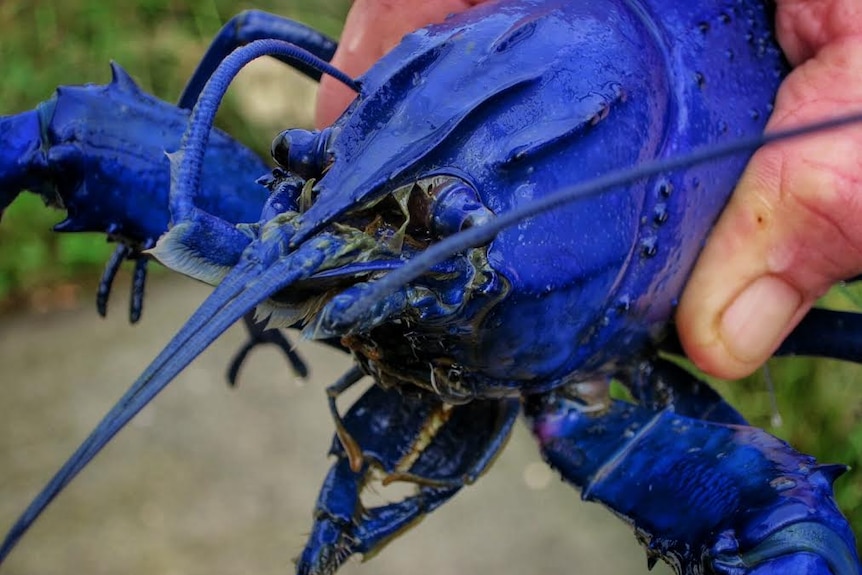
211,480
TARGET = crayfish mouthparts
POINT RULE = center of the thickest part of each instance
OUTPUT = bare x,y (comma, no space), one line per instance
340,298
401,225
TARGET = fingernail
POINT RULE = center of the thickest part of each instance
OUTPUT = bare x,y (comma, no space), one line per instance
757,317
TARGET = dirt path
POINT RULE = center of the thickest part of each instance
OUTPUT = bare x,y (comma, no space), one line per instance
212,480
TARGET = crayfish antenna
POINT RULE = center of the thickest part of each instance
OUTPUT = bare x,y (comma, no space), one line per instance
251,25
195,140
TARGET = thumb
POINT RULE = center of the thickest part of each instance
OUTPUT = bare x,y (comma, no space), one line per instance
792,228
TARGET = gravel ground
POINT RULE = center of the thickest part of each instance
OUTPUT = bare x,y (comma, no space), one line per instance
213,480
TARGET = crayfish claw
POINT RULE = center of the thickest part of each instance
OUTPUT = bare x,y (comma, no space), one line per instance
21,160
744,501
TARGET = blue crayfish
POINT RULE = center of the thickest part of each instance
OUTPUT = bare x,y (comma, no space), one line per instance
465,231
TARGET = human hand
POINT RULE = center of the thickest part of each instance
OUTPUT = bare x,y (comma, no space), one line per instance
794,224
372,28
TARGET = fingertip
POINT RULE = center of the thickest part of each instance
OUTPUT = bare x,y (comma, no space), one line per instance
705,348
735,310
716,360
751,327
753,323
333,98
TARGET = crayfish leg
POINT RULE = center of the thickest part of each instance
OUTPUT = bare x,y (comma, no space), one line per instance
103,294
658,383
139,281
406,435
826,333
258,335
351,448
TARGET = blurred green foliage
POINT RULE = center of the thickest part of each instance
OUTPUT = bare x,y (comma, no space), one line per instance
47,43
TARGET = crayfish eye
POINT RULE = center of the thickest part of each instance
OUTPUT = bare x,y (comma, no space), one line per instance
301,152
449,205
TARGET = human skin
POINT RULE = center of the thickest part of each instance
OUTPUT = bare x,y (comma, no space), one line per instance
793,226
372,28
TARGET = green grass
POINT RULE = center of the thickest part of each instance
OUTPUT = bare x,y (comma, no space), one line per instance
47,43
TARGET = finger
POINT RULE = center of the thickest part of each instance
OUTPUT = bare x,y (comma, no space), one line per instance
362,44
372,28
804,27
792,228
